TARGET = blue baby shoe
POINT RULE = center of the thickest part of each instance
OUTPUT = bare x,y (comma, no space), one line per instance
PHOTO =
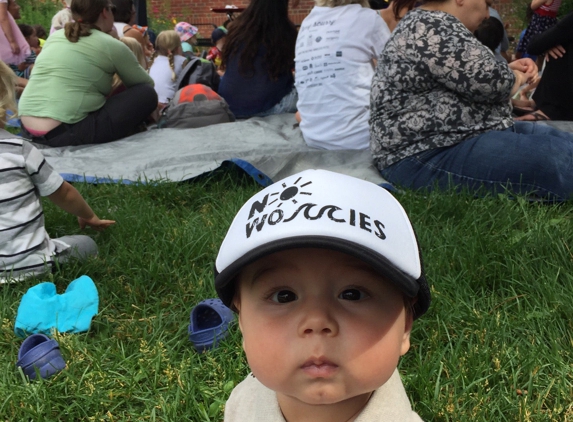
42,310
40,353
210,320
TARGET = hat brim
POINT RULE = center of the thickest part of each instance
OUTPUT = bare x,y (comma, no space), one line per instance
408,285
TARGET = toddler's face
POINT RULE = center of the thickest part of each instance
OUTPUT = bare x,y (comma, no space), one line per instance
33,40
320,326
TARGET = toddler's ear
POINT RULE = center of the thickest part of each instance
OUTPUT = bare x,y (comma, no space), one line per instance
407,331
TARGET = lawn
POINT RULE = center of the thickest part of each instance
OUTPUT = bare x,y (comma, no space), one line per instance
496,345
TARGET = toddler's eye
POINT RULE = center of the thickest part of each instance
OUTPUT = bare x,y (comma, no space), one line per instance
284,296
352,294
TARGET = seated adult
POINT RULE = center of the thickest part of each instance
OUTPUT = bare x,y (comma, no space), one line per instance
65,102
554,95
334,68
441,117
258,59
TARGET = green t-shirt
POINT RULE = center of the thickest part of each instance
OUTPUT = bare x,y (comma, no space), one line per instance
70,80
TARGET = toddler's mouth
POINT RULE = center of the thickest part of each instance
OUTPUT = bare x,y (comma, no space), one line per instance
319,367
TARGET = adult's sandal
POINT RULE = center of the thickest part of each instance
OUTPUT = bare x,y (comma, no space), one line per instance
40,355
210,321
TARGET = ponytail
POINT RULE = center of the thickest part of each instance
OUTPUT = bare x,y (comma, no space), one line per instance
151,60
75,30
172,66
85,14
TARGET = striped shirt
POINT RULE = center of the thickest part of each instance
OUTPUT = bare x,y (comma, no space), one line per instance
25,247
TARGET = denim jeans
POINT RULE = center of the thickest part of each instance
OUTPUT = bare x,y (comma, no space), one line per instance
528,158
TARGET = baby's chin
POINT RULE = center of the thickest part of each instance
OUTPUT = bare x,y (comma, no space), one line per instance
323,395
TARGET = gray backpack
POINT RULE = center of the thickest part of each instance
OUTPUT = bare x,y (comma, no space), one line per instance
195,106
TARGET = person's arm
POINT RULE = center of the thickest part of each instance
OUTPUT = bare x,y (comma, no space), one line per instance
462,64
7,28
560,34
536,4
70,200
520,79
126,65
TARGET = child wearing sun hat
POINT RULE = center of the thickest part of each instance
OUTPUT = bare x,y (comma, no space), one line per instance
325,273
188,35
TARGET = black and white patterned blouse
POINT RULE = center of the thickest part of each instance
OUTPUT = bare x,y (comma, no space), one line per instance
435,85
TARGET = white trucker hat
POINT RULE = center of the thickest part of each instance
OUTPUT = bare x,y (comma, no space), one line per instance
322,209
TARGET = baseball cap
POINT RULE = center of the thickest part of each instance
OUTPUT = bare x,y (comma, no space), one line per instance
185,30
323,209
217,34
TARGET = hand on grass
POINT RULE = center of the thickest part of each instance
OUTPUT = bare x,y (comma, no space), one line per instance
555,52
95,223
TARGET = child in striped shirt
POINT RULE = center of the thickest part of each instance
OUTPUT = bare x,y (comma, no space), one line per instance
25,247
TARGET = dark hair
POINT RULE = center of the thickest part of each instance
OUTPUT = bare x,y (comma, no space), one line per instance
490,33
85,14
26,30
263,23
123,10
40,32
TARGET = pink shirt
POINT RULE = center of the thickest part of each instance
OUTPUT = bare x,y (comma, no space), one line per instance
6,54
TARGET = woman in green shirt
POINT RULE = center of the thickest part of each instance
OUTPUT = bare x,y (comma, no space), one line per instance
66,101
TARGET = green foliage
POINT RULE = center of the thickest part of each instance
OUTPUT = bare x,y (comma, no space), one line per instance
496,344
39,12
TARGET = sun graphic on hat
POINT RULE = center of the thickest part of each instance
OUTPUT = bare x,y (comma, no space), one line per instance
290,192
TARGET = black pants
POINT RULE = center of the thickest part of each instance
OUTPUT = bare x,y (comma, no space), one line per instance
554,94
119,116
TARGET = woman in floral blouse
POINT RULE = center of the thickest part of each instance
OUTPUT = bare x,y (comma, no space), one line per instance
441,116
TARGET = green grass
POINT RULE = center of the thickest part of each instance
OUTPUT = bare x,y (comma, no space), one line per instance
496,344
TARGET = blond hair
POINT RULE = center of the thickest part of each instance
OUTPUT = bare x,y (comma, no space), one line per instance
166,44
135,47
336,3
7,93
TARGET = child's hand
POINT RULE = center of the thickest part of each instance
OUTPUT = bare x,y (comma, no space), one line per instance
555,52
95,223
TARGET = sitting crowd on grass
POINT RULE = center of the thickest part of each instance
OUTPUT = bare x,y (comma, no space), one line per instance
434,110
418,84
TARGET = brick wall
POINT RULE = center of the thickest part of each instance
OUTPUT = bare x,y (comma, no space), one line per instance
199,11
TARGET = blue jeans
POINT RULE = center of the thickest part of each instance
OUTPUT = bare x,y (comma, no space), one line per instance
528,159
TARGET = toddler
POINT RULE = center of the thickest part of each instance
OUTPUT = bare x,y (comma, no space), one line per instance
25,247
218,39
62,17
166,65
24,69
325,273
544,17
41,34
188,35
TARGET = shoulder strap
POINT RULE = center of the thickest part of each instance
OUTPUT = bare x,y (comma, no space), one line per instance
183,79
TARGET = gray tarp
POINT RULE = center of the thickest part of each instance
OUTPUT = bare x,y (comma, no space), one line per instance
267,148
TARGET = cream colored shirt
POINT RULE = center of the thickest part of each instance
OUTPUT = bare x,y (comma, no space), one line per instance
252,401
